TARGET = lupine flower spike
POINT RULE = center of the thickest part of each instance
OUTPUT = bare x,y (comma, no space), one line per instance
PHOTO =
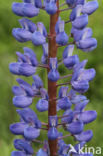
70,93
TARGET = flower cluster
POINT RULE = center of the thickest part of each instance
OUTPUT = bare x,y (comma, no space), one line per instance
74,118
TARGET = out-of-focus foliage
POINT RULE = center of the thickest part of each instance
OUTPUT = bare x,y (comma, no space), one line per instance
8,47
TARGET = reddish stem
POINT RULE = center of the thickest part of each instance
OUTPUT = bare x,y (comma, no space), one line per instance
52,88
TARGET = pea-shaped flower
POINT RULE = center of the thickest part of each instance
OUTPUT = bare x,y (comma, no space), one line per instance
61,37
70,61
87,116
42,104
68,51
38,37
51,7
23,145
75,127
31,133
53,74
85,136
67,116
52,133
80,22
90,7
18,153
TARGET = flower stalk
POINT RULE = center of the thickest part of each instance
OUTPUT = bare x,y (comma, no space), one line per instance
58,96
52,86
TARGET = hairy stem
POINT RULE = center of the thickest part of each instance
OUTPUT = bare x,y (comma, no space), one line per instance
52,88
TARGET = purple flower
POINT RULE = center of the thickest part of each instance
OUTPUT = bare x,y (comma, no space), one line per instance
42,105
64,103
23,145
81,105
70,61
80,86
25,9
21,35
63,92
22,101
85,136
38,3
88,44
31,133
75,127
90,7
53,74
75,12
51,7
68,51
52,133
28,115
38,38
17,8
80,22
41,152
37,81
18,153
28,25
69,116
61,37
44,58
53,121
87,116
29,53
18,128
30,10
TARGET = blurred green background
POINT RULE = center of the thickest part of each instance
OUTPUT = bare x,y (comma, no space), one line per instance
8,47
